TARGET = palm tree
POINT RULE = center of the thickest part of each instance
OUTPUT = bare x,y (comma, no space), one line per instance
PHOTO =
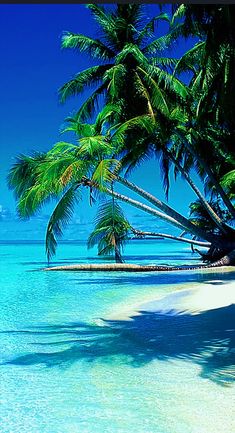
158,139
217,60
211,131
186,133
111,230
149,118
61,172
125,50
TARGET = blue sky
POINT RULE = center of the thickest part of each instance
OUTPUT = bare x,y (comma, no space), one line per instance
32,68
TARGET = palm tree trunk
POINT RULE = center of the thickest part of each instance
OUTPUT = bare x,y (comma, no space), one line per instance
212,178
175,238
185,223
217,220
167,218
118,257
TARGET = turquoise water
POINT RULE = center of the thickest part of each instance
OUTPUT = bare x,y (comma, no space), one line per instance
66,370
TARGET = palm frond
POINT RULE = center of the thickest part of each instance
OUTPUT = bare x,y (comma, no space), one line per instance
111,230
86,111
108,115
228,182
94,47
94,147
178,14
143,91
159,100
106,21
59,219
80,129
148,30
138,123
105,173
133,159
169,82
159,45
165,62
32,200
89,77
60,148
191,59
115,79
23,174
131,50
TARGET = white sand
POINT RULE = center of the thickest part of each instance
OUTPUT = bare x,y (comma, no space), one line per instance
190,297
206,296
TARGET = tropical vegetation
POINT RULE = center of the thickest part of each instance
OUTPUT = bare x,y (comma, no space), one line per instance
138,108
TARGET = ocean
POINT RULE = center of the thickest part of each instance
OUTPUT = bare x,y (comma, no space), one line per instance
84,352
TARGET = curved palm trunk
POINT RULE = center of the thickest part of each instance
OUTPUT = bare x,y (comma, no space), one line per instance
217,220
213,179
175,238
196,231
184,222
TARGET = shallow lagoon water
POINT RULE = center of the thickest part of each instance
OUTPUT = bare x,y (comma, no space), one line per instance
66,370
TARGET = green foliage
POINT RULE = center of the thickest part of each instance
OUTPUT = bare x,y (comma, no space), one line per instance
200,218
87,78
111,230
22,174
105,173
139,108
127,40
93,47
228,182
59,219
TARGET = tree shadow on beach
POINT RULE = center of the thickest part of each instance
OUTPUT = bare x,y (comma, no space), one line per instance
207,338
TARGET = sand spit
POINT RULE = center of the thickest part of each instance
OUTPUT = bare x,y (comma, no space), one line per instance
129,267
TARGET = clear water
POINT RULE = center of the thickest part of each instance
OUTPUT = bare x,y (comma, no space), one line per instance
65,370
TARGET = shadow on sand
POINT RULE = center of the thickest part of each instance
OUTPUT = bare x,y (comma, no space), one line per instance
207,338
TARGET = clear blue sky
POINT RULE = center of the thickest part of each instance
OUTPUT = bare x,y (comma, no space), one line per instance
33,67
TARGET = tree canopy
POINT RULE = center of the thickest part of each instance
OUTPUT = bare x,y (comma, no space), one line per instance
139,107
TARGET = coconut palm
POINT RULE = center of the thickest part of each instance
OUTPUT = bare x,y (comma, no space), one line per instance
158,139
127,50
212,63
133,125
60,173
218,58
111,230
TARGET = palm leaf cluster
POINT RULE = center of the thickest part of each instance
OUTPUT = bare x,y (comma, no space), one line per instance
110,231
128,53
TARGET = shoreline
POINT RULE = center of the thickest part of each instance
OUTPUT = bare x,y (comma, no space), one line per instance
191,297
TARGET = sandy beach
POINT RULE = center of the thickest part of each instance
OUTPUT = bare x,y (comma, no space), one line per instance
190,297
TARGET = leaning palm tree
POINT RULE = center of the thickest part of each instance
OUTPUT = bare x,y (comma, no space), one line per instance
154,116
62,172
138,80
